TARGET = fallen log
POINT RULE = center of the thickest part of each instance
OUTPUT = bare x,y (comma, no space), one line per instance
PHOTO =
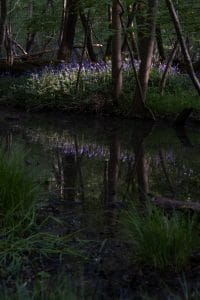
176,204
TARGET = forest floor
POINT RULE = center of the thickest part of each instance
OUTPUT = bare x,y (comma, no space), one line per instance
61,87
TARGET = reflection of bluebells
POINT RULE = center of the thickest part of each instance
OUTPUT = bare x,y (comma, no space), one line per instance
93,150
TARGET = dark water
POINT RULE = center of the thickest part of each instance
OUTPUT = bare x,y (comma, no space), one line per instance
93,168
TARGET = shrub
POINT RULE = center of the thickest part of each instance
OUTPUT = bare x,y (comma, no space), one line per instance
19,190
160,240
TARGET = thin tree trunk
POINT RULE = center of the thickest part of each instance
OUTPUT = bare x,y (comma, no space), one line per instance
160,46
108,51
167,68
117,80
8,46
130,49
146,21
88,30
30,41
82,54
131,16
3,16
70,15
19,47
181,40
32,35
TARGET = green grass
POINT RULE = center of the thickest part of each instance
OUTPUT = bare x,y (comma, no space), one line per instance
58,91
24,241
172,104
43,289
162,241
19,190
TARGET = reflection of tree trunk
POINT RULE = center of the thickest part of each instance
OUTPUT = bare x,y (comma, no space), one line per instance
142,167
165,173
79,171
58,173
182,117
113,168
182,136
70,176
111,177
9,141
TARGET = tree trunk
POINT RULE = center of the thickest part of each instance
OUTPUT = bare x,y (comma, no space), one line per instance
167,68
8,46
30,35
3,16
30,41
88,32
184,49
131,15
116,51
68,28
146,22
160,46
108,51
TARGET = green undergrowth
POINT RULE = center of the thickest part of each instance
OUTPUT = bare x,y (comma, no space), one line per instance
25,240
44,288
160,240
93,93
172,104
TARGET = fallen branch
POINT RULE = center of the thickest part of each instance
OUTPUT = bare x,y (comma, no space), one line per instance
176,204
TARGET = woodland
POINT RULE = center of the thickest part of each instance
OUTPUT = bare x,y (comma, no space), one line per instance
134,58
99,154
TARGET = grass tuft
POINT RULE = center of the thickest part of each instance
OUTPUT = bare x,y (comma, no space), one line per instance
23,238
162,241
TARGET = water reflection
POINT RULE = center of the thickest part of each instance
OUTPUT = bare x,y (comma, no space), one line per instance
95,168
